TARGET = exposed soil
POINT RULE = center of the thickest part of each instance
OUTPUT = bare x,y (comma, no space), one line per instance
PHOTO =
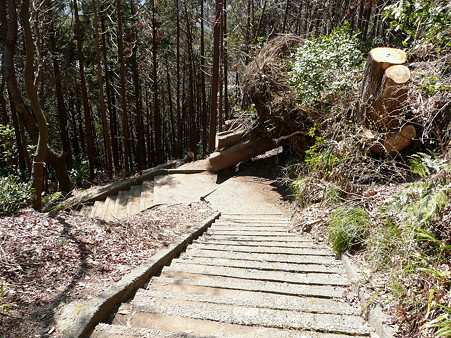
50,259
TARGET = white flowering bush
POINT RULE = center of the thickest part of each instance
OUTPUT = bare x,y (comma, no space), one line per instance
326,65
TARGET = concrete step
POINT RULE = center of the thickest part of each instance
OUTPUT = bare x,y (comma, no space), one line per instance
147,199
303,244
190,326
97,209
220,227
137,315
243,298
119,331
133,203
261,257
320,291
121,204
263,266
246,236
86,210
312,278
264,249
109,208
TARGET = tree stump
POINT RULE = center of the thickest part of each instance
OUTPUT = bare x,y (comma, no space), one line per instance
379,60
383,100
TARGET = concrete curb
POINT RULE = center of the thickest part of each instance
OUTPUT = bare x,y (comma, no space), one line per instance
98,309
375,315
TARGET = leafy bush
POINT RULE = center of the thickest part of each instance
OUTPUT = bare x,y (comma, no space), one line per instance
325,64
421,21
79,174
14,194
7,148
348,227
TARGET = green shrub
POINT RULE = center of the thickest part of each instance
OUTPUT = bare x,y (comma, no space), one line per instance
348,227
14,194
324,65
79,174
422,22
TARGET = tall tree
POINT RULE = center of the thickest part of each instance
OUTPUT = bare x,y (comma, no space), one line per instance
215,74
86,107
123,90
103,108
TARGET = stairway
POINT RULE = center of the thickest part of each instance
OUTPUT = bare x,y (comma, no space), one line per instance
247,276
123,204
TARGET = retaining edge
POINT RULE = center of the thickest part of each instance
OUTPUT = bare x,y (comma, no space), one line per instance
375,315
99,308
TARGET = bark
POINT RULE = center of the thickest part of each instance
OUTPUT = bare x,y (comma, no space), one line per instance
379,59
240,152
227,138
141,144
86,108
395,141
215,74
202,81
156,104
55,160
37,175
103,108
387,109
123,89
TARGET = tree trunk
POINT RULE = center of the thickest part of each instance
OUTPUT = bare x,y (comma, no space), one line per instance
387,109
379,60
123,90
156,102
37,174
240,152
395,141
86,108
103,109
55,160
202,81
215,74
227,138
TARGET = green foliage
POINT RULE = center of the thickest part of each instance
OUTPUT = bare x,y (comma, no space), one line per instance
14,194
325,64
7,148
421,21
442,323
425,164
5,305
418,203
320,156
80,173
348,227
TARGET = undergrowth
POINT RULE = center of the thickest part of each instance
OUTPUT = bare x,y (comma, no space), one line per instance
394,211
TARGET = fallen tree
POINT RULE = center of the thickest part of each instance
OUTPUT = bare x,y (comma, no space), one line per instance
279,120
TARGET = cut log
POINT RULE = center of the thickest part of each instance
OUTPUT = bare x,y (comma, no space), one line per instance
379,60
228,138
387,109
395,141
240,152
232,124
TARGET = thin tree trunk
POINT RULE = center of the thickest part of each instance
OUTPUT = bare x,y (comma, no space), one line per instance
156,102
123,90
215,75
37,175
84,92
177,104
103,108
202,81
285,16
55,160
225,63
141,146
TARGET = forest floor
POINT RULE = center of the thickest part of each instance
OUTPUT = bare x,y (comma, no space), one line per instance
52,259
